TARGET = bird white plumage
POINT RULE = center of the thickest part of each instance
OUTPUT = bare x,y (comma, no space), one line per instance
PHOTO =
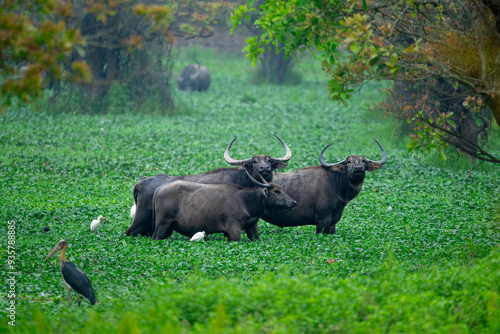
132,212
95,223
198,236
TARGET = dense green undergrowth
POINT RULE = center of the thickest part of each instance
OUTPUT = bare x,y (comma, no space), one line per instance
429,220
449,299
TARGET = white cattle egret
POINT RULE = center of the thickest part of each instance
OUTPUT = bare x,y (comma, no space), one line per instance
198,236
95,223
132,212
73,277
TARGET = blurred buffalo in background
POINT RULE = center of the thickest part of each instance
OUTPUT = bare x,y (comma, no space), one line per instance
194,78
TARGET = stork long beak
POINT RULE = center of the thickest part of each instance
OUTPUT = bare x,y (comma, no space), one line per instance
55,250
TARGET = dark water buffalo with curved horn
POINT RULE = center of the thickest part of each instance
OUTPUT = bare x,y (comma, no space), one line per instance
189,207
194,78
322,192
258,165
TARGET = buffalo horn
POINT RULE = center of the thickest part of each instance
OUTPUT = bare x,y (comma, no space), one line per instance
195,74
288,154
384,155
262,185
232,161
323,162
327,165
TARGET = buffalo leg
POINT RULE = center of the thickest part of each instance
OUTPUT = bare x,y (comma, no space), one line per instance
163,226
331,230
162,231
335,219
252,232
142,224
234,234
323,225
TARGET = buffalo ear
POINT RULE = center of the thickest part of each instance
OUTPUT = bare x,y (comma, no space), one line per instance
264,192
279,165
341,168
246,167
371,166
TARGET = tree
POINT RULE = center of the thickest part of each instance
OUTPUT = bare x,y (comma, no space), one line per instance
98,44
30,47
274,67
455,42
276,64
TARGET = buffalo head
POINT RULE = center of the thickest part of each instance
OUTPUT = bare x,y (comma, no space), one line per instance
276,198
354,166
194,78
260,164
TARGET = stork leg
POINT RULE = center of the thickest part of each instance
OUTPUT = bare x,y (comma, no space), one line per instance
79,300
69,297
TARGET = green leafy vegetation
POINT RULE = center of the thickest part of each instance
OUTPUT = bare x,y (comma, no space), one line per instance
410,253
450,299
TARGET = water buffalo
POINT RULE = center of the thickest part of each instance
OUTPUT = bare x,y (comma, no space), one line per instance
258,165
189,207
194,78
322,192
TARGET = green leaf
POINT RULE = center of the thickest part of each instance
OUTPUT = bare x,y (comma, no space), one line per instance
354,48
394,58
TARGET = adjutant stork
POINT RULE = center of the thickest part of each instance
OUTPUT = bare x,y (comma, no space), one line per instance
73,277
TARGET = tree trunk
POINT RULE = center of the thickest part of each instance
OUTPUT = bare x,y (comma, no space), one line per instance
96,60
494,103
275,67
112,70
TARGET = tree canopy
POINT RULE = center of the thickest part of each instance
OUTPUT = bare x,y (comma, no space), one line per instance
30,46
409,41
93,43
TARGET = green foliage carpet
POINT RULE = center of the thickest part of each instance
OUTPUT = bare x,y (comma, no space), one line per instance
415,252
